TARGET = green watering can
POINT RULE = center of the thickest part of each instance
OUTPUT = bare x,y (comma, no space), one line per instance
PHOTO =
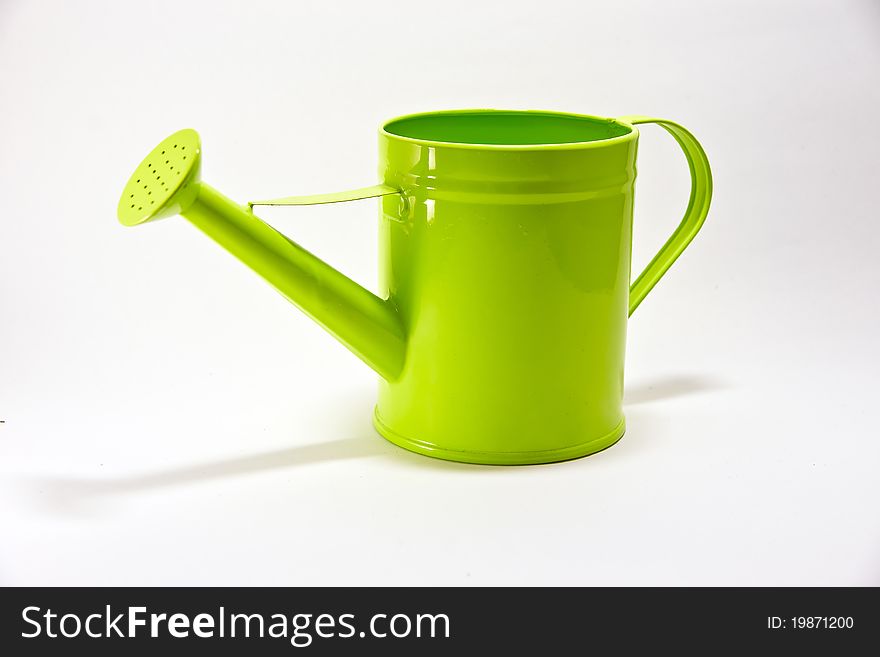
505,241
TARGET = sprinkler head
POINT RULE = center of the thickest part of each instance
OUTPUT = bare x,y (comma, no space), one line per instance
165,183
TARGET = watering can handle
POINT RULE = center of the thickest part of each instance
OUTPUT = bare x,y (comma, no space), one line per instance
373,191
694,216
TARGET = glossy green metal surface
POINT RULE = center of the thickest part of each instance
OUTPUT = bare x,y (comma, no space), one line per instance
367,325
500,331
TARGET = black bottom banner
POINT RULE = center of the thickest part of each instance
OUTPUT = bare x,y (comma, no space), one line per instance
277,621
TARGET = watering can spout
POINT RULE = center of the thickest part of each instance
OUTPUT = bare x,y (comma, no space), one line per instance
168,182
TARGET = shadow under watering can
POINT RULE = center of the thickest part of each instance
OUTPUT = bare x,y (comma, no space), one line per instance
505,241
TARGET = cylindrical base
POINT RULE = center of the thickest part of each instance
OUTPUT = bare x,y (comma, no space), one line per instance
500,458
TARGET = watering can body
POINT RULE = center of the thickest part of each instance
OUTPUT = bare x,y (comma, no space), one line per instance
510,270
499,330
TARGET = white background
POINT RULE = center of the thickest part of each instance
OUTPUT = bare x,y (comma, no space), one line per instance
169,419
